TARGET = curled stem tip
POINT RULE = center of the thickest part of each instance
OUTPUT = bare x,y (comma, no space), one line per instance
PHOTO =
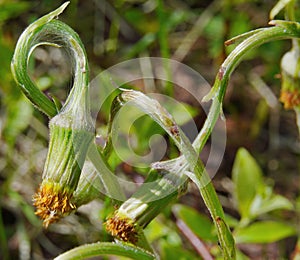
71,127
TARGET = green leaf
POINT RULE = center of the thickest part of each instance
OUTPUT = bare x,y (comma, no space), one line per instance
171,252
198,223
264,232
105,248
241,37
247,179
260,205
253,197
278,7
198,174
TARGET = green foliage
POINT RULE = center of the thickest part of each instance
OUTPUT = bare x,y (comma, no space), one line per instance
255,199
252,195
247,178
170,252
93,250
160,27
264,232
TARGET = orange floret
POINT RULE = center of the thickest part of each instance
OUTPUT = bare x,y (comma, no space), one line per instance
52,203
122,228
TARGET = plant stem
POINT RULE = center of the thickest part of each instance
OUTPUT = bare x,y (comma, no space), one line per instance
105,248
228,66
198,174
283,31
188,164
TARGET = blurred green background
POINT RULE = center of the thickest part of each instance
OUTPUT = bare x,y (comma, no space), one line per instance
192,32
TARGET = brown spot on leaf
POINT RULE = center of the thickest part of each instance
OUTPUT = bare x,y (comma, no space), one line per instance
174,130
221,73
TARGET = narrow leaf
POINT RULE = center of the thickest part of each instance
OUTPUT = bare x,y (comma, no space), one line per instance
105,248
278,7
241,37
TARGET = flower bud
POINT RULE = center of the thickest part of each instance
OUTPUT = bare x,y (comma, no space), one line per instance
139,210
71,127
68,146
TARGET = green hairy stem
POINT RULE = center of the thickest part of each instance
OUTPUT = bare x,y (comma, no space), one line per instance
72,131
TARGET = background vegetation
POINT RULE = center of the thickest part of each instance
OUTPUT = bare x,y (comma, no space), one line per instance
114,31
